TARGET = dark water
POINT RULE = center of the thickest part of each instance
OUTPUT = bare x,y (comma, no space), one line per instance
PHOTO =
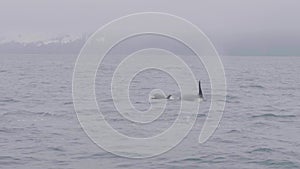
260,126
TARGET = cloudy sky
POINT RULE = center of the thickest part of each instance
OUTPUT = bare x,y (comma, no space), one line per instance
251,23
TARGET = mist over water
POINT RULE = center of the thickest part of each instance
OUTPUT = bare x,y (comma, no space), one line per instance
259,129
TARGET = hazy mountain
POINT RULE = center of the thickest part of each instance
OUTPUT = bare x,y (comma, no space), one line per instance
244,44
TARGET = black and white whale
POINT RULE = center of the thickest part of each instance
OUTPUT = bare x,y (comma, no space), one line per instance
195,97
162,96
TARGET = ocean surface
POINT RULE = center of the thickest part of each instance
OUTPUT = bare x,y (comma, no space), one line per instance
260,127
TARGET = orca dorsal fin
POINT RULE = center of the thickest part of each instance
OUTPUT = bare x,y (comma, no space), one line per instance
169,96
200,90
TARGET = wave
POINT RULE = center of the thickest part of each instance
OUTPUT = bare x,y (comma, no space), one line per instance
9,100
60,149
67,103
192,159
34,114
11,129
45,114
3,71
234,131
261,150
276,163
274,115
10,160
253,86
201,160
232,99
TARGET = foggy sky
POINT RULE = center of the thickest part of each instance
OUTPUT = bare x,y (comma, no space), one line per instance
245,22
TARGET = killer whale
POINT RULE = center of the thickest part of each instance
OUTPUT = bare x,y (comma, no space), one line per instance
200,90
160,96
196,97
